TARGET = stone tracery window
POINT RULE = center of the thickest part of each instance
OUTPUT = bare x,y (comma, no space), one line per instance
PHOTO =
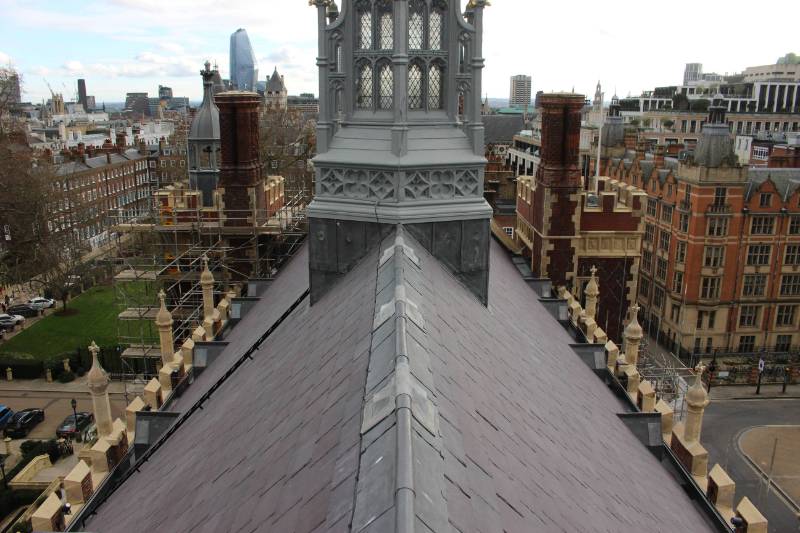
435,78
385,26
365,29
415,86
416,26
385,85
435,30
364,88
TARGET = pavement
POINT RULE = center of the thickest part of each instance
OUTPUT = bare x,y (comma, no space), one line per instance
748,392
55,398
773,450
724,424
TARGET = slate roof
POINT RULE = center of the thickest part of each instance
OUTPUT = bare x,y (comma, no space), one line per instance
399,400
275,83
502,128
786,180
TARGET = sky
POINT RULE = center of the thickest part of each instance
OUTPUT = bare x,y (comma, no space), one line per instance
122,46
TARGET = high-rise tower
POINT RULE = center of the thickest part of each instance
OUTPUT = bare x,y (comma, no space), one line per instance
520,91
82,95
244,70
400,135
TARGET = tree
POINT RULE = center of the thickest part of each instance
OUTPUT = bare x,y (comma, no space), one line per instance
287,144
680,102
700,104
668,124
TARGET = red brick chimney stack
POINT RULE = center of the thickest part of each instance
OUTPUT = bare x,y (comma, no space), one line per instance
240,167
561,135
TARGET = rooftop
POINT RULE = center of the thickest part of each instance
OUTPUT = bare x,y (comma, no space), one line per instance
398,398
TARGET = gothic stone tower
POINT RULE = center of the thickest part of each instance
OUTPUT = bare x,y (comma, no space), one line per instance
204,141
557,184
400,136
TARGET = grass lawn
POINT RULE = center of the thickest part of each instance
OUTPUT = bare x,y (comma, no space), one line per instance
96,319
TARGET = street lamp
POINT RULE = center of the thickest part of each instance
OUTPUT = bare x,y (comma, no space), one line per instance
74,404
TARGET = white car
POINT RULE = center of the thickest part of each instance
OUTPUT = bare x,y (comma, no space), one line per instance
16,319
41,303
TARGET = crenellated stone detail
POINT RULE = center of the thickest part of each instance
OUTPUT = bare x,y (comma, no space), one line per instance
361,184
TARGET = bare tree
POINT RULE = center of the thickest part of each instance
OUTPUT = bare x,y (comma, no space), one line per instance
288,142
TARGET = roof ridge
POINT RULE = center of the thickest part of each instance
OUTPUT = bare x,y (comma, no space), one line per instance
400,418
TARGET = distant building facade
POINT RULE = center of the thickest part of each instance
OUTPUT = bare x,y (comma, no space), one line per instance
520,91
276,95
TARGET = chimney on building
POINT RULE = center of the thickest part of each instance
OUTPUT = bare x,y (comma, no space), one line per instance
162,143
641,149
121,141
558,180
142,147
81,149
631,137
658,155
108,157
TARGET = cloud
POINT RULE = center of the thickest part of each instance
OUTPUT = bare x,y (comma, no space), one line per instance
5,59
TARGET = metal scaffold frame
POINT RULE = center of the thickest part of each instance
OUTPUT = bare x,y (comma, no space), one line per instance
164,250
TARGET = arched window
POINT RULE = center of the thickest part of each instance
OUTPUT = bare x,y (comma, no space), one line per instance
415,86
385,86
416,26
435,30
365,27
385,25
364,89
435,78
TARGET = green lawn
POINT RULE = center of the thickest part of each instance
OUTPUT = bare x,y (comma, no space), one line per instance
95,320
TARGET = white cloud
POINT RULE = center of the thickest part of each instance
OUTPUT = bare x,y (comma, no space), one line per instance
5,59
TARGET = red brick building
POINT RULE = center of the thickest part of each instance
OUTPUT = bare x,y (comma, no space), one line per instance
720,268
566,229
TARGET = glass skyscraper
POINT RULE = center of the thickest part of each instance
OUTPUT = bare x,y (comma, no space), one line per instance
244,71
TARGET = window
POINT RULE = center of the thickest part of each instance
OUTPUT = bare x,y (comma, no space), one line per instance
663,240
785,316
717,227
386,31
713,256
385,86
684,222
364,99
760,153
365,28
415,86
435,86
758,254
712,317
416,30
661,268
765,200
783,343
680,254
658,298
762,225
677,282
675,312
754,284
697,345
666,213
509,231
790,285
709,288
649,231
794,225
792,256
720,195
644,288
651,207
435,30
647,260
748,316
747,343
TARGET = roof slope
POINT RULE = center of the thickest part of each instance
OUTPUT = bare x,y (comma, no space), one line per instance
399,403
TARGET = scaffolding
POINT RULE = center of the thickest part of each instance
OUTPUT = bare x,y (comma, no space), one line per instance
165,250
668,375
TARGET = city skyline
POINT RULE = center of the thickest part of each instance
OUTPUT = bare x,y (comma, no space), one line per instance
173,40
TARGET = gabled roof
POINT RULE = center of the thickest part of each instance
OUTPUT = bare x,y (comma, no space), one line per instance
275,83
399,398
786,180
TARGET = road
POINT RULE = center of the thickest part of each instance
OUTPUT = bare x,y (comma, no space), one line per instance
723,424
56,407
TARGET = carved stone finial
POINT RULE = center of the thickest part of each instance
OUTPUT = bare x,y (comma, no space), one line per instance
94,349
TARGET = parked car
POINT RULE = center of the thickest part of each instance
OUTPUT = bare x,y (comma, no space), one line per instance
17,319
69,430
7,324
5,415
23,422
42,303
25,310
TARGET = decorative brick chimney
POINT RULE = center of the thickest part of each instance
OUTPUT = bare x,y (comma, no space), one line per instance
240,169
558,181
